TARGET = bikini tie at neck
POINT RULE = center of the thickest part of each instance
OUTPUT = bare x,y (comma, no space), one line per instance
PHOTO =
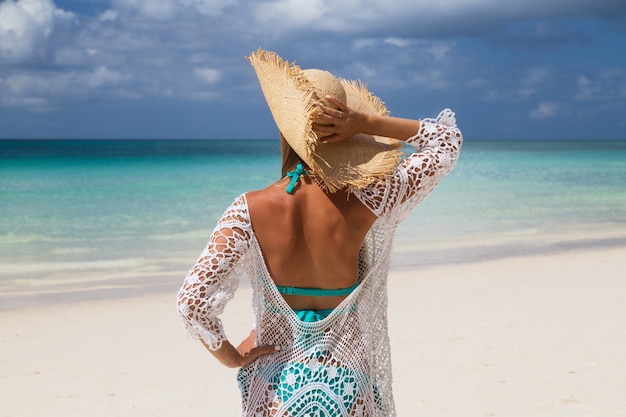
295,176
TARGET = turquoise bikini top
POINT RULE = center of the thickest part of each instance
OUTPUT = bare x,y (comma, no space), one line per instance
317,292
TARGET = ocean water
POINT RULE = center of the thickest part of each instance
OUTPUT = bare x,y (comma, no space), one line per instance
105,216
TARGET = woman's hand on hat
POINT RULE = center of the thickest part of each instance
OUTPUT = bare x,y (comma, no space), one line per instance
343,122
339,123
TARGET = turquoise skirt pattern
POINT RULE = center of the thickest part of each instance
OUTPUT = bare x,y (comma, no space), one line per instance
322,390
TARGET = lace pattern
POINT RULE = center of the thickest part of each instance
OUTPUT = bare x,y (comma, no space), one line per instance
437,145
341,365
214,278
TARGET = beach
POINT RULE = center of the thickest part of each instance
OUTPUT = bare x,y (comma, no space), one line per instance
532,335
506,291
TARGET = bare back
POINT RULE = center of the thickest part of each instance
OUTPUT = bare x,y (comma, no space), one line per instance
309,239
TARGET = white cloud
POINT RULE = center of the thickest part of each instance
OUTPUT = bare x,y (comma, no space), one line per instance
207,75
151,9
544,110
432,79
366,72
72,56
37,89
209,7
25,26
525,92
284,15
101,77
364,43
536,75
439,50
587,89
34,103
160,10
109,15
607,84
400,43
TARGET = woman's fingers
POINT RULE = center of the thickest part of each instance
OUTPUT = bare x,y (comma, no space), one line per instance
338,103
331,132
327,117
324,127
258,351
335,122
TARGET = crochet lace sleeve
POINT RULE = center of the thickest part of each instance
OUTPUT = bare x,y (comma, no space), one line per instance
214,278
435,150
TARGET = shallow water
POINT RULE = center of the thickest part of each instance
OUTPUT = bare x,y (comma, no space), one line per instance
108,214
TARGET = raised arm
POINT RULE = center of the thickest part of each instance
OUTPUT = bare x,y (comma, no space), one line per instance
433,151
342,122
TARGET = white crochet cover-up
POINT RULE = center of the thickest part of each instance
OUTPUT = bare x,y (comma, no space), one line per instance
341,365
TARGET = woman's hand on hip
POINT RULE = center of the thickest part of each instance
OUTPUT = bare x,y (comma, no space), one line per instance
246,353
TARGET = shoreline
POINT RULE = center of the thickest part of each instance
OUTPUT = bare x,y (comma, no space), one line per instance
407,257
66,286
533,335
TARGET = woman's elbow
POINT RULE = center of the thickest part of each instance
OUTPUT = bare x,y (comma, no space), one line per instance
186,306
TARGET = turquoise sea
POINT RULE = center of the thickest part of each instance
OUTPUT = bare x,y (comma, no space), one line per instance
91,218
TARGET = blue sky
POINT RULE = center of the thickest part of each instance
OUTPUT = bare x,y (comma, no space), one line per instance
532,69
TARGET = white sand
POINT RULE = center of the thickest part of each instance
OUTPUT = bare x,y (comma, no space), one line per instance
526,336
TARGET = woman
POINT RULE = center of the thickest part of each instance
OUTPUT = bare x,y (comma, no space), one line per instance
316,246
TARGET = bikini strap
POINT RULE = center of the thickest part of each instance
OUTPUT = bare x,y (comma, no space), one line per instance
295,176
317,292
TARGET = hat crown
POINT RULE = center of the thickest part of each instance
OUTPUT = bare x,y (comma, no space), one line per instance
326,84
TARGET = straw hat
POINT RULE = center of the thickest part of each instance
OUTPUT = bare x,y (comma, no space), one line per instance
294,95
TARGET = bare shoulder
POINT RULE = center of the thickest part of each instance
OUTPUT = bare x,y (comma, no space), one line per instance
309,200
261,203
266,195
